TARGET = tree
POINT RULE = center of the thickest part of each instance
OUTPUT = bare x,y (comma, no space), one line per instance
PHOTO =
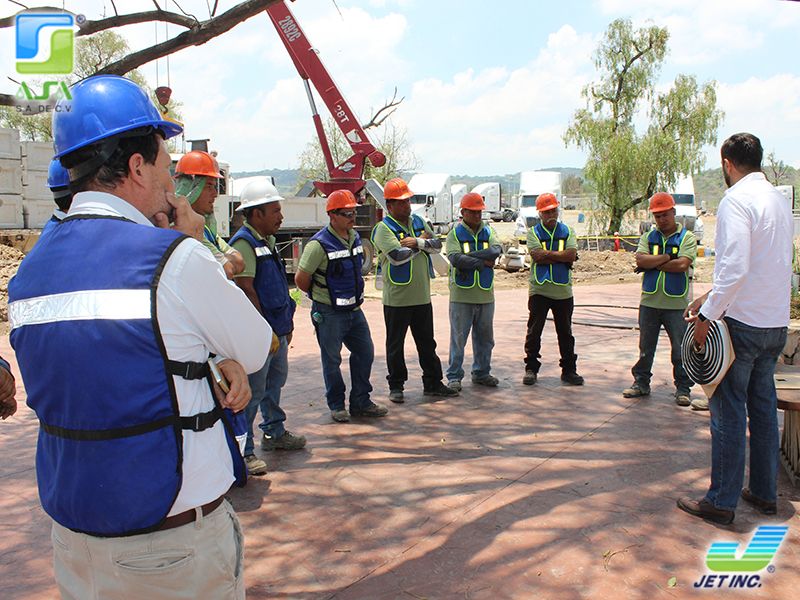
572,185
92,53
776,170
391,140
627,167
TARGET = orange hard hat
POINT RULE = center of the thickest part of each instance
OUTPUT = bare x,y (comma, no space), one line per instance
660,202
546,201
198,162
396,189
473,201
341,199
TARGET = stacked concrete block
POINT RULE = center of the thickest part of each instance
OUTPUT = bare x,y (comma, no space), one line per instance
10,180
37,200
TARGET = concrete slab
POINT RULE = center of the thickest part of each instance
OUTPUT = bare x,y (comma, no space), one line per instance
516,492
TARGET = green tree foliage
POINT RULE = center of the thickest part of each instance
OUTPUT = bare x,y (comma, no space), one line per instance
626,167
92,53
390,139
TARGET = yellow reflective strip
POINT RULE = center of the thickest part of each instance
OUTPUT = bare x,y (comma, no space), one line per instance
561,244
466,247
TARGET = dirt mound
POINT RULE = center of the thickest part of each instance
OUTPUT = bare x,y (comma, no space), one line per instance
9,263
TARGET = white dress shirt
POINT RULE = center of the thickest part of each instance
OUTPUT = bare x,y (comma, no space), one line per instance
752,273
199,312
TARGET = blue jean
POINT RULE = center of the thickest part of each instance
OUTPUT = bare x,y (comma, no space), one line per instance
747,390
650,322
348,327
480,319
266,384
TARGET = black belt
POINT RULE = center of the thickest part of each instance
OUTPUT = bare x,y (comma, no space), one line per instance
189,516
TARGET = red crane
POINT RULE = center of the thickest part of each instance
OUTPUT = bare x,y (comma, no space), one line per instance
349,174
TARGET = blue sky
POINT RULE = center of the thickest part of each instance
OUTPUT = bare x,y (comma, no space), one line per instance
489,87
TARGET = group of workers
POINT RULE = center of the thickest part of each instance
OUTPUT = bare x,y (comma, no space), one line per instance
158,353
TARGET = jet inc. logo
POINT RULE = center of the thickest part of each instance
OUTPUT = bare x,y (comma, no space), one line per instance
742,572
45,43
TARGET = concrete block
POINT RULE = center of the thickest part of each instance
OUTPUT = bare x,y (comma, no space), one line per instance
37,212
9,143
37,155
34,185
10,176
11,211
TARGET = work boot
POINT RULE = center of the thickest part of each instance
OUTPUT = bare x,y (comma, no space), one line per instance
255,466
440,389
705,510
396,396
683,398
340,416
454,385
287,441
370,410
571,378
699,404
636,391
765,507
529,378
487,380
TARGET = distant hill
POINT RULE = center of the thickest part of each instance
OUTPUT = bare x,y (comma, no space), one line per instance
285,179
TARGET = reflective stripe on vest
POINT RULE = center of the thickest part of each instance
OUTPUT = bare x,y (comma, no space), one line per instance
674,285
88,343
483,277
270,284
556,273
343,274
402,274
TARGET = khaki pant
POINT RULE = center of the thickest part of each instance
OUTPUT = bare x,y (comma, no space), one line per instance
204,559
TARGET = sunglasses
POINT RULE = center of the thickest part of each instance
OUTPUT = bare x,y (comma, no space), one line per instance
347,214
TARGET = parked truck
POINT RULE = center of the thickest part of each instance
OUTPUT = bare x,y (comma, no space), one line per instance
433,199
531,185
458,191
686,212
496,209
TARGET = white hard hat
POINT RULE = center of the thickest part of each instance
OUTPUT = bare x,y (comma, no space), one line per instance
257,192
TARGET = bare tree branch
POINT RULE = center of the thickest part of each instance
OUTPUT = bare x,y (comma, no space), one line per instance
199,34
384,112
90,27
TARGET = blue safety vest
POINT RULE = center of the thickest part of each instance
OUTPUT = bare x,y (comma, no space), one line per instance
557,273
343,274
270,284
402,274
48,227
87,337
210,237
484,277
675,285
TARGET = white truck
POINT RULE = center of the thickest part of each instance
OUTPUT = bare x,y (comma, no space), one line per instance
492,194
686,208
531,185
458,190
433,199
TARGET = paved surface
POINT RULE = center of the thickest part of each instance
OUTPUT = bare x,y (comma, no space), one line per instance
516,492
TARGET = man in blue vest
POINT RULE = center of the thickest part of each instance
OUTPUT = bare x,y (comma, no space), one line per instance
197,179
404,243
134,454
58,182
473,248
665,257
263,280
330,273
553,249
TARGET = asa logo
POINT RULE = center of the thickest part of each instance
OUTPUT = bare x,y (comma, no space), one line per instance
55,54
741,572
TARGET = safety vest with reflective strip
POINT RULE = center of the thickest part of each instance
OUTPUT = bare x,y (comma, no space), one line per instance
484,277
86,333
402,274
343,274
270,284
557,273
675,285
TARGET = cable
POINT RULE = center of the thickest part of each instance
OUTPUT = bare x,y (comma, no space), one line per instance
708,365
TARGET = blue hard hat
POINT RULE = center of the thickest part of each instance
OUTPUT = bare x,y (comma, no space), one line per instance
102,107
57,176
